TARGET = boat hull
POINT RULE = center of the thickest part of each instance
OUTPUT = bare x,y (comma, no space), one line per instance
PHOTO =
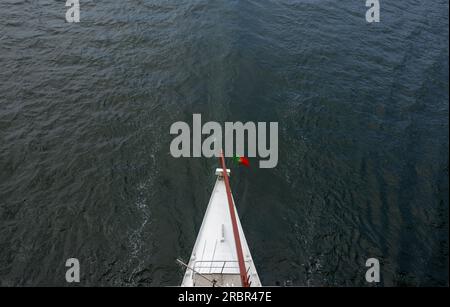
214,260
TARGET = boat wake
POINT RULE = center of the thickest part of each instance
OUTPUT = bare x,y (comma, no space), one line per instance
139,235
136,237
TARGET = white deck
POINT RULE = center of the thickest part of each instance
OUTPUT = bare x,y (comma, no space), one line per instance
214,254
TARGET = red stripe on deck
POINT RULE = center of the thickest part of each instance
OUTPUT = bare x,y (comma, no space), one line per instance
237,239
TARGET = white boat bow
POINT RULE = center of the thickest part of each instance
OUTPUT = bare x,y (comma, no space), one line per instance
215,259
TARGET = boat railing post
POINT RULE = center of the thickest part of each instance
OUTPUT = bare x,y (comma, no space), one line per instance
223,267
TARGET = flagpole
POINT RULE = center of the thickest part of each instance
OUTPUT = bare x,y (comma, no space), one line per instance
237,239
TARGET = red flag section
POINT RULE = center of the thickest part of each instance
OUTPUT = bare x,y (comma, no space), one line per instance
241,160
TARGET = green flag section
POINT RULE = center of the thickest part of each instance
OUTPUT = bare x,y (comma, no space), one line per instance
241,160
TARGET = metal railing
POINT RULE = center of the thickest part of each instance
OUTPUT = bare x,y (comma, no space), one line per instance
221,267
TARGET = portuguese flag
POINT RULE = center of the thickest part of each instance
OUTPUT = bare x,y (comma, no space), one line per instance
241,161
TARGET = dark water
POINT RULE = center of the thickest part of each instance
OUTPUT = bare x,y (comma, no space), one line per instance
85,111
